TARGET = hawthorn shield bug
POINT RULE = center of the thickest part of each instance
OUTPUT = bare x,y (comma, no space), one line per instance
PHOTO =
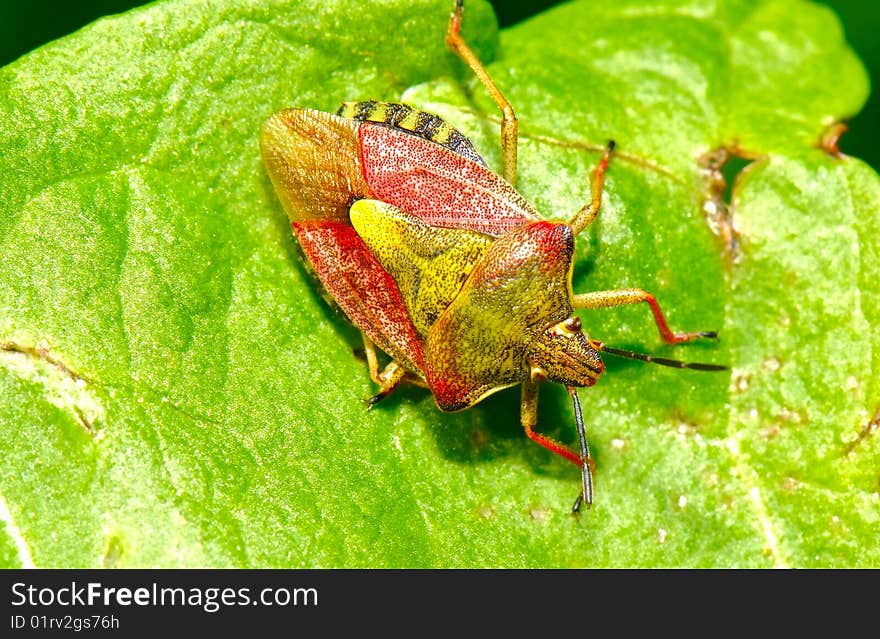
440,262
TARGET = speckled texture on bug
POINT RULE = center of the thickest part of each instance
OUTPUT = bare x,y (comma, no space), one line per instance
429,263
484,340
364,290
437,186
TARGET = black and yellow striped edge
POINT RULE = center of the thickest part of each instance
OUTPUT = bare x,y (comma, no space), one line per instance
405,118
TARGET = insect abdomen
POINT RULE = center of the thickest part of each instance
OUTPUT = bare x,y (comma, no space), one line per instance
405,118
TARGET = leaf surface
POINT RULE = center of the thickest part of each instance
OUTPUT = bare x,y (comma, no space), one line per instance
175,392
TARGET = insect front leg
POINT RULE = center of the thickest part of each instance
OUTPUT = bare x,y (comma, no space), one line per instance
529,419
508,122
624,296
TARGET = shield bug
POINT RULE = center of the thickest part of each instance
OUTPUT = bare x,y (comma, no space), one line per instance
440,262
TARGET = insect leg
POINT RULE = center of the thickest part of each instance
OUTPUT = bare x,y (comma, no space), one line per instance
508,122
372,360
624,296
588,212
389,379
529,419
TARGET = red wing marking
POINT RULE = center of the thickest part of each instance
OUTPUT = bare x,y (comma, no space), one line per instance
364,290
437,185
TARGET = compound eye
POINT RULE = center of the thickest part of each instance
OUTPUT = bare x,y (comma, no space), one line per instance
573,324
566,328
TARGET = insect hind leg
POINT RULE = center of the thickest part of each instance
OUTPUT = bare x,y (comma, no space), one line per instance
387,379
509,124
590,210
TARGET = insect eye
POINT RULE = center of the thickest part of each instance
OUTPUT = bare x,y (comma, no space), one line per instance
573,324
566,327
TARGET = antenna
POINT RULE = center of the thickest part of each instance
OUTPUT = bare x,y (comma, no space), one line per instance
586,495
663,361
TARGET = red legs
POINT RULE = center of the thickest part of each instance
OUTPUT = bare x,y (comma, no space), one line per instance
529,401
389,378
621,297
529,419
508,122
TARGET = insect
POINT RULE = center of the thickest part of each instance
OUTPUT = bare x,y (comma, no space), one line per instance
440,262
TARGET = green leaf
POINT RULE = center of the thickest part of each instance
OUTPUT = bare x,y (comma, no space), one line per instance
175,392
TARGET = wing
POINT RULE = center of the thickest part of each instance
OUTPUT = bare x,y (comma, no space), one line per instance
437,185
362,287
313,160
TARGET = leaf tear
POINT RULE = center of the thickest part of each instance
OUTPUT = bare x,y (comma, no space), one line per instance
719,169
